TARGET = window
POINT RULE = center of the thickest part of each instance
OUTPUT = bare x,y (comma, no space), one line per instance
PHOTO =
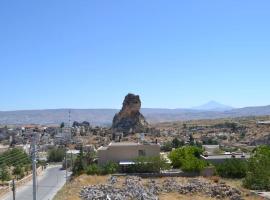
142,153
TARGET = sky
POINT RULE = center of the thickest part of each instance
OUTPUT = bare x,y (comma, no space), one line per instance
173,53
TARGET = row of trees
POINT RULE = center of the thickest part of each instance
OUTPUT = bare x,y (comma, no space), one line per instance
258,169
255,171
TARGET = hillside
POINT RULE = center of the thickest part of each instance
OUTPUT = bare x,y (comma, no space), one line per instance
105,116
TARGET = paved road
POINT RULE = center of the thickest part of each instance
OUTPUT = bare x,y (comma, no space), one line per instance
49,183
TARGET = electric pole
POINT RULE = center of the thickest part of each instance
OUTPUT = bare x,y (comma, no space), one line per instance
13,188
34,166
66,163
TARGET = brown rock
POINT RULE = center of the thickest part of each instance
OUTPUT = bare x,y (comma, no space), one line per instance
129,119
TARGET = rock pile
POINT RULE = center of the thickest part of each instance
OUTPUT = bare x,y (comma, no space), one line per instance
214,190
133,188
129,119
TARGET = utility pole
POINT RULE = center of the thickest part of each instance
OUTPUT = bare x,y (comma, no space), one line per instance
66,163
69,125
13,189
34,166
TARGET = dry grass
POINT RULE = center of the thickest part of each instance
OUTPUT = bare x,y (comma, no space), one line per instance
72,190
176,196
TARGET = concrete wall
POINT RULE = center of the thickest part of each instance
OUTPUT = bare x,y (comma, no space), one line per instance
126,153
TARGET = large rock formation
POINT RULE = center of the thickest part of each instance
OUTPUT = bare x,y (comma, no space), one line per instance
129,119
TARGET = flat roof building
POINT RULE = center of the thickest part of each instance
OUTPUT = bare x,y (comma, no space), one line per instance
126,152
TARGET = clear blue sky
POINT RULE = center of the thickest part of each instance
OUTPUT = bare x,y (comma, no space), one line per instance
174,54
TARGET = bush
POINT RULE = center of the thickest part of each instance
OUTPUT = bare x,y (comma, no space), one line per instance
18,171
187,158
80,164
150,164
232,168
258,172
193,164
4,173
167,146
108,168
176,143
93,169
56,155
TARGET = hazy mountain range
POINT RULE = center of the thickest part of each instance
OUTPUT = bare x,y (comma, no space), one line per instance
213,106
211,110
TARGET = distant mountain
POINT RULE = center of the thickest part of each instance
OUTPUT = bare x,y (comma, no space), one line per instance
213,106
104,116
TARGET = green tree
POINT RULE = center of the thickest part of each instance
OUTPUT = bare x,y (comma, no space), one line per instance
177,143
56,155
192,164
80,164
258,173
187,158
62,125
167,146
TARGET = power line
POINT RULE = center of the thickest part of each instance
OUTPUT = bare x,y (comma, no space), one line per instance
10,156
14,157
18,160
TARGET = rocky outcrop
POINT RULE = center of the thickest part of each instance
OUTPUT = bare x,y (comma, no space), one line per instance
129,119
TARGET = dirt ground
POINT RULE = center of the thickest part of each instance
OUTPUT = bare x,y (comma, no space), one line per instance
72,190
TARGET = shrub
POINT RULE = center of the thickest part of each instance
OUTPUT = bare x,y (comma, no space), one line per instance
18,171
176,143
93,169
232,168
167,146
108,168
56,155
4,173
150,164
79,164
